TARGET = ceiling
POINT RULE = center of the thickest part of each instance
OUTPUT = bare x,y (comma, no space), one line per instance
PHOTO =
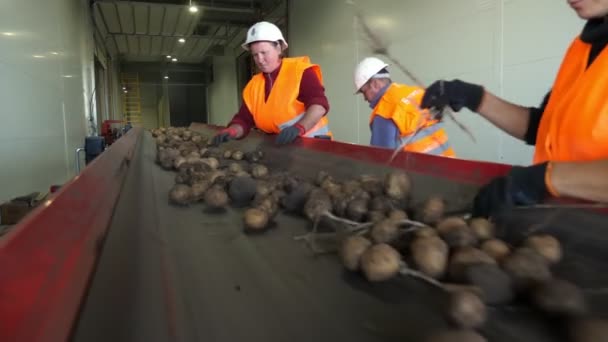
148,31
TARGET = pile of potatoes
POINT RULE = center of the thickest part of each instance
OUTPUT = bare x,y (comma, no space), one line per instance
475,267
220,177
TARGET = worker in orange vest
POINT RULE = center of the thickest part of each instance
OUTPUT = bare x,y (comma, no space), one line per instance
569,130
286,98
396,118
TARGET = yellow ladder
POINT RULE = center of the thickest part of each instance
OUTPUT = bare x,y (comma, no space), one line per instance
131,98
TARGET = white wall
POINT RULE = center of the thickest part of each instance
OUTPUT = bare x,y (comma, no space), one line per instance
513,47
44,100
222,93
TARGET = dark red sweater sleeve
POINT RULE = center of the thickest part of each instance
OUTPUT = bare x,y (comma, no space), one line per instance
243,118
312,91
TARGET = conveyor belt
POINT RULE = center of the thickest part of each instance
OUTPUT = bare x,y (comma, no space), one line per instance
177,274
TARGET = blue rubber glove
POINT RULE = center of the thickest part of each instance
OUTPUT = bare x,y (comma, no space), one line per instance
290,134
521,186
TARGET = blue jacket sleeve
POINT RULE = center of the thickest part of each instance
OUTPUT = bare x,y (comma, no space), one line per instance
384,133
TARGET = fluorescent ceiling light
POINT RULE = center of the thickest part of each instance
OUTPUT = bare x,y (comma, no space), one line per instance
181,40
174,59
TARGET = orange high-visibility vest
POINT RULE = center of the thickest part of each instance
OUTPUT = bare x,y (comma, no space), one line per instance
400,104
282,108
574,126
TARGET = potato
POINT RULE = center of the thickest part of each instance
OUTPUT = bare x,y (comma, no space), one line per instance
269,205
352,249
384,231
482,228
380,262
237,155
216,197
317,204
425,232
465,257
495,284
460,236
321,177
397,185
256,219
357,210
263,188
259,171
179,162
254,156
397,215
332,188
351,187
227,154
430,255
199,189
450,223
547,246
213,163
242,190
466,310
380,203
456,336
372,184
180,194
559,297
588,330
182,177
527,268
235,168
296,199
216,176
375,216
278,195
495,248
432,210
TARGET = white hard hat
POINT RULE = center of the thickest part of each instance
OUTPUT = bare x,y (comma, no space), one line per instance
264,31
368,68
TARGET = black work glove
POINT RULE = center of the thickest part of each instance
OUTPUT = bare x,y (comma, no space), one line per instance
289,134
521,186
223,136
456,94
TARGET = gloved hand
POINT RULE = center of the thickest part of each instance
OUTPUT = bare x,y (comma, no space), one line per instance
521,186
456,94
224,135
289,134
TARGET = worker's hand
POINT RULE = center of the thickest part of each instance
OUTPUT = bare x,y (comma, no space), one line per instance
521,186
224,135
289,134
456,94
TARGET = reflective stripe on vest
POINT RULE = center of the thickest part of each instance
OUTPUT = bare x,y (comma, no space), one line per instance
574,125
321,128
431,140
